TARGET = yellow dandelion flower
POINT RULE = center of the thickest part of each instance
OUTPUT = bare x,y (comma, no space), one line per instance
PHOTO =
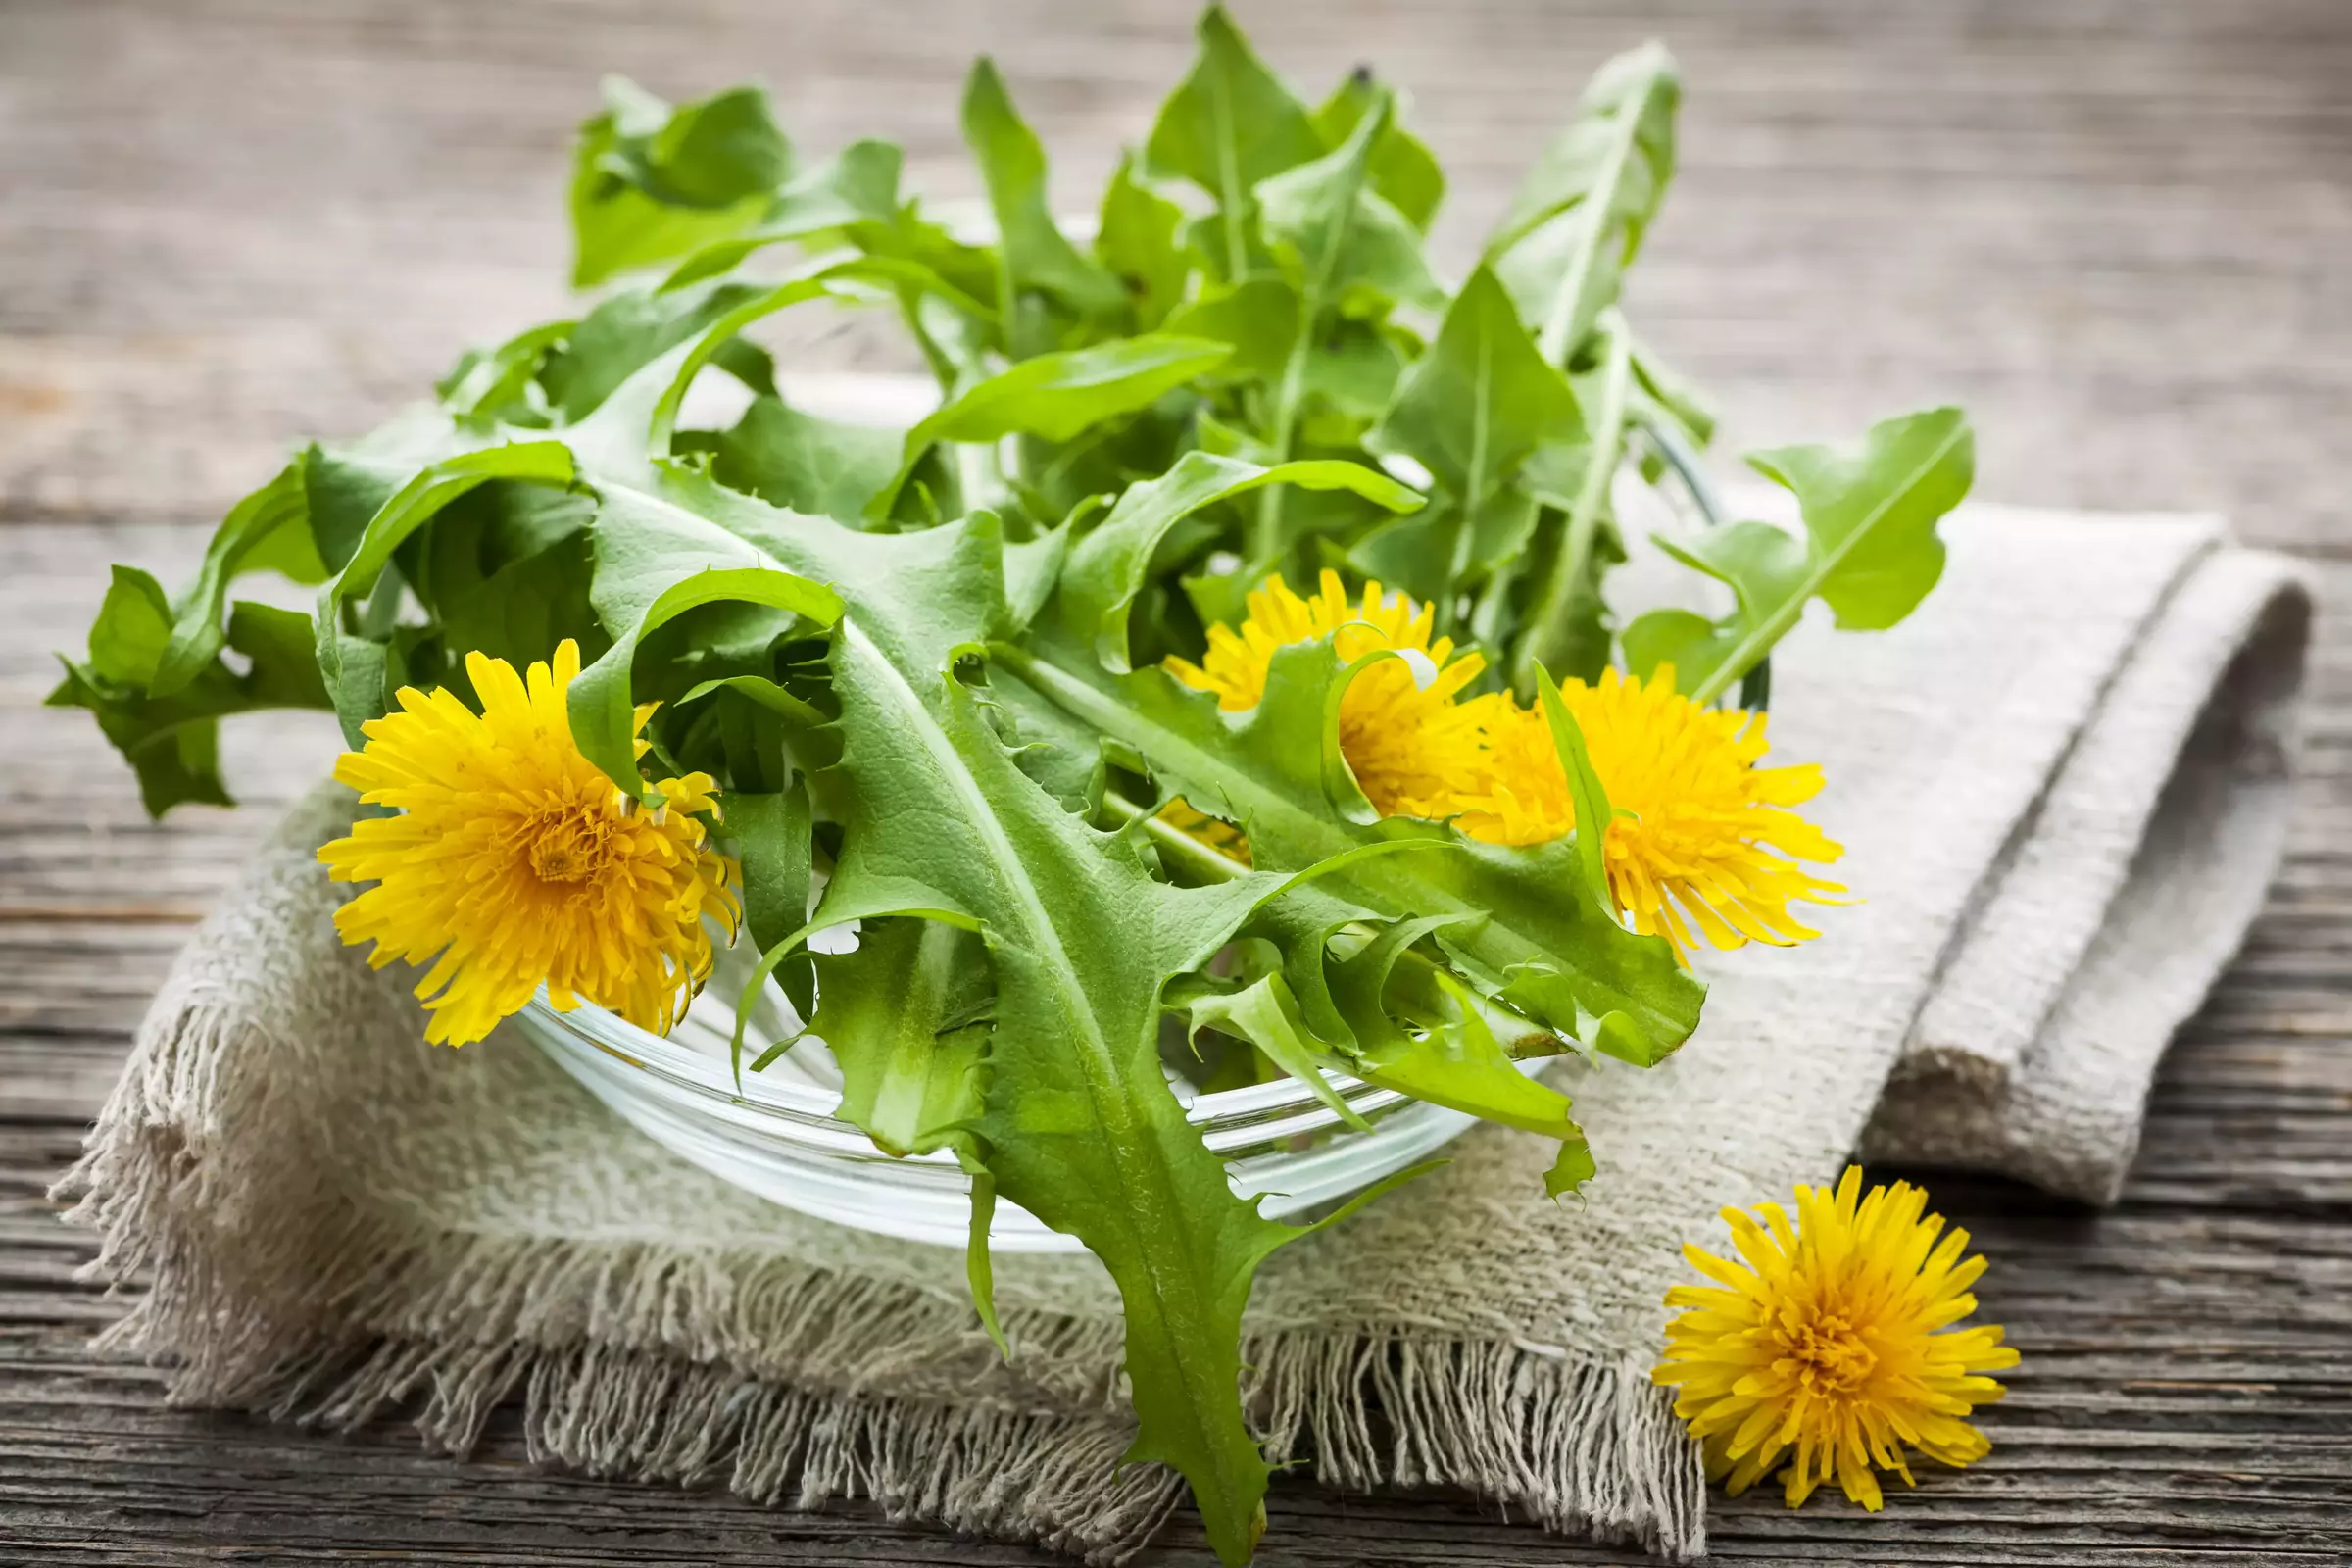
514,861
1410,745
1833,1345
1702,837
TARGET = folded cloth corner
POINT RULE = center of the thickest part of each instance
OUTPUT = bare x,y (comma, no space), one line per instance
2119,898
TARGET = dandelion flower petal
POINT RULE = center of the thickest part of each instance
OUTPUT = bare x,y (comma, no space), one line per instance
1833,1350
514,862
1703,839
1411,746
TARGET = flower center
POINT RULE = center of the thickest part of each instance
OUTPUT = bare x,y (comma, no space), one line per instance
567,846
1829,1356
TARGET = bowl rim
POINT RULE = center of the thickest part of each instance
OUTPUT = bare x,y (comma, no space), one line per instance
1280,1108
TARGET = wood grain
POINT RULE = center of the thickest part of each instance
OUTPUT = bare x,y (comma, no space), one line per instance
2116,232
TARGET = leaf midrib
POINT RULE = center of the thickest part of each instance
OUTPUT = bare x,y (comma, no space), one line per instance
1229,170
1293,391
1755,642
1541,642
1474,485
1005,859
1171,1289
1556,321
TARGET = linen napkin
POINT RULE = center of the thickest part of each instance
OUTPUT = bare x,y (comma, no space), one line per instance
2060,788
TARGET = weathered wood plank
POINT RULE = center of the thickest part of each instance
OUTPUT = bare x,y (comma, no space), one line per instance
2115,242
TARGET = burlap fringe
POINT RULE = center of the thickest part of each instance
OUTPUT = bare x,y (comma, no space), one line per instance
638,1361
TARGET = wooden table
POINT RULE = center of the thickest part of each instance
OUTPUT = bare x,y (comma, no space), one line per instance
2120,233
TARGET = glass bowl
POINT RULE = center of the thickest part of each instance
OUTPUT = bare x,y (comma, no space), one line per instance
777,1134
